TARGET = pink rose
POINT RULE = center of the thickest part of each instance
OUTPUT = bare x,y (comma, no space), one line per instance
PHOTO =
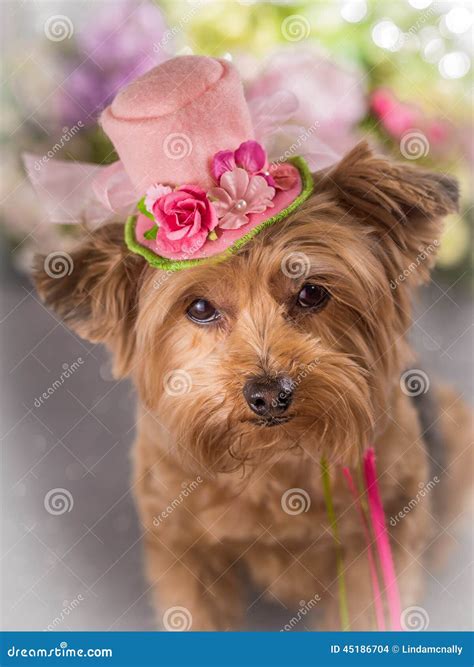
185,217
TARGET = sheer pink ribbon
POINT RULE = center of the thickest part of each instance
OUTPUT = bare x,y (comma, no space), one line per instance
73,192
273,119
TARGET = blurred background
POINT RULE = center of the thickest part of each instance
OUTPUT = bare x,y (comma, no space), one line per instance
397,73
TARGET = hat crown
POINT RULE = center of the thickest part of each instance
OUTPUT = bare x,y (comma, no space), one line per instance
164,125
167,88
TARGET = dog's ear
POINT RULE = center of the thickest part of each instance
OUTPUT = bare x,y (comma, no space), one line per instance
402,205
94,290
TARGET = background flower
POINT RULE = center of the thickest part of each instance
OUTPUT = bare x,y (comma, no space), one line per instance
330,101
117,45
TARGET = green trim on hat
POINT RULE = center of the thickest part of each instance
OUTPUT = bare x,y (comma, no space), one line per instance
165,264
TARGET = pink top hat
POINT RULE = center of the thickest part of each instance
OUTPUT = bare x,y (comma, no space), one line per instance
184,135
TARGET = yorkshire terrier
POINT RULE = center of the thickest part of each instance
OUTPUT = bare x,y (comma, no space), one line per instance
251,369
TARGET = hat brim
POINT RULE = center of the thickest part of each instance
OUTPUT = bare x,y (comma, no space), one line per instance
137,224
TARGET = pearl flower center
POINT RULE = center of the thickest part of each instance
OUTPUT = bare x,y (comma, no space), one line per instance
241,205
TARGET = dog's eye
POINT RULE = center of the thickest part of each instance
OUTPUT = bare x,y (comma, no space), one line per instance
313,296
202,312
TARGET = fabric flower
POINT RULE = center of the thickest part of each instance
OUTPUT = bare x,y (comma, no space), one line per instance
185,218
250,155
239,195
283,176
221,162
154,193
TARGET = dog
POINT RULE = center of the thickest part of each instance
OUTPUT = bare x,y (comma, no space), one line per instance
248,371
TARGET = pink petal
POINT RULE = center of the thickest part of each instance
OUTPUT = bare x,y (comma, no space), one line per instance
154,193
251,156
189,204
269,178
221,208
194,243
168,203
233,220
221,162
284,175
259,195
222,201
195,190
175,233
212,217
196,226
235,183
185,247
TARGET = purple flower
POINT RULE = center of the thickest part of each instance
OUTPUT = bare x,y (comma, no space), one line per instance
113,49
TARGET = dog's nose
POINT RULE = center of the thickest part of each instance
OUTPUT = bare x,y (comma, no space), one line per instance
268,397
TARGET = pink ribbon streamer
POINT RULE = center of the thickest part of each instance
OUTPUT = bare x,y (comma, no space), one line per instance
379,615
377,515
273,119
72,192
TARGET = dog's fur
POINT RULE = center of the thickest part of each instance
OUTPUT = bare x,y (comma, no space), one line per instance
364,226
